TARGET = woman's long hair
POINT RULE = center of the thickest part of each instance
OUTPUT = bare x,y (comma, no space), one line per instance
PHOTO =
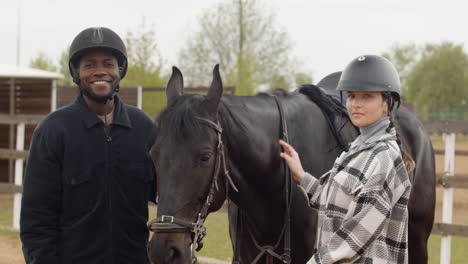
410,164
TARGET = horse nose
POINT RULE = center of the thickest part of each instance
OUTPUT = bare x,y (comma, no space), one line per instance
166,256
166,252
172,254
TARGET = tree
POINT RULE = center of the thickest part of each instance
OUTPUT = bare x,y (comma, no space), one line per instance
242,37
403,57
439,78
144,60
42,62
63,68
303,78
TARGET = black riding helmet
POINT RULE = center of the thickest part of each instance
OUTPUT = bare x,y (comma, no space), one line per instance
371,73
100,38
96,38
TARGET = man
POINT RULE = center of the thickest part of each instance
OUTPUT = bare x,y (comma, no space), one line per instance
89,175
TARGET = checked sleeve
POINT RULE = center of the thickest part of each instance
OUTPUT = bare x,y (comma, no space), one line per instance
312,189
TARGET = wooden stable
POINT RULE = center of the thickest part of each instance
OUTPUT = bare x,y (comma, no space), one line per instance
23,91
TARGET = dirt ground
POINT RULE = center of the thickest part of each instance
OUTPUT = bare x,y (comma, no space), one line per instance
10,247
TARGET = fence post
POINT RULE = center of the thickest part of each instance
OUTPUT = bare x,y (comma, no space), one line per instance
53,99
447,204
140,97
18,175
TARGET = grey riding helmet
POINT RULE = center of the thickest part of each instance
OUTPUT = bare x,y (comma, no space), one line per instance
97,38
370,73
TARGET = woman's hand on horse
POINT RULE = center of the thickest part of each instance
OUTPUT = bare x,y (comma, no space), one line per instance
293,161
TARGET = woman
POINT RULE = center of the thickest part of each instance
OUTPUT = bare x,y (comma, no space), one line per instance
362,200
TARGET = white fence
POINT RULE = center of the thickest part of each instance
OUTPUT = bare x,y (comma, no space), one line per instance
449,181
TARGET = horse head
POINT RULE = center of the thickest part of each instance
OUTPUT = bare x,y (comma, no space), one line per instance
188,156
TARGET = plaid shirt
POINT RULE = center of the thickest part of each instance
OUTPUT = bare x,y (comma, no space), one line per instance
362,202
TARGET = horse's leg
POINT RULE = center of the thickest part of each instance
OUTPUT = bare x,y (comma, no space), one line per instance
417,247
421,218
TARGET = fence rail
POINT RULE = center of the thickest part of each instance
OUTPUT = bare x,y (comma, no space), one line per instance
13,154
10,188
450,230
16,119
445,126
457,181
457,152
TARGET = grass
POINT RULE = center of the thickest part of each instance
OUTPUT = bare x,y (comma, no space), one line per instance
459,252
6,219
217,243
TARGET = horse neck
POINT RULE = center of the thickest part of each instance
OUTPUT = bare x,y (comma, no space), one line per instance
251,131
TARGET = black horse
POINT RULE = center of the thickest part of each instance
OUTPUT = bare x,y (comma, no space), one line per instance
192,160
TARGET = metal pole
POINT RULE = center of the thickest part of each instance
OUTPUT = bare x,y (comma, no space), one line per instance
11,129
53,99
447,204
140,97
18,175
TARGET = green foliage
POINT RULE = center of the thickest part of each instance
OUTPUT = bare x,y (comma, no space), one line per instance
42,62
243,38
64,70
439,78
153,102
144,60
403,57
303,78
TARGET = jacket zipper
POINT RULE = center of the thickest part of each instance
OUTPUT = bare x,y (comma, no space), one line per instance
108,138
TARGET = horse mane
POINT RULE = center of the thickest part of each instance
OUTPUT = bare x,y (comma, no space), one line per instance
178,116
327,103
330,107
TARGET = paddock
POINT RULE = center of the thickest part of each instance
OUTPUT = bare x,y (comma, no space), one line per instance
451,164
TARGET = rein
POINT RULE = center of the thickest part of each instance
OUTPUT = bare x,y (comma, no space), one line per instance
171,224
268,250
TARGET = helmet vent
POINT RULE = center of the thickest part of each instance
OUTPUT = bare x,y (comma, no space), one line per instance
97,36
362,58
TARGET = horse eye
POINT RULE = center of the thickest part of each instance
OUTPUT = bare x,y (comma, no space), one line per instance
205,158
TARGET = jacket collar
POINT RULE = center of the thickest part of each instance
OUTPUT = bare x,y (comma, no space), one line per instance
90,118
377,136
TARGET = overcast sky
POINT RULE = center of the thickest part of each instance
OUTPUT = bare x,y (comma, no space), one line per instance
326,33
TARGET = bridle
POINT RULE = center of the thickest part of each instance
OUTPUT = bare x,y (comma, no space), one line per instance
269,250
171,224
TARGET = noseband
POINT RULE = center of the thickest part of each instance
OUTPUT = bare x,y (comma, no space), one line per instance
171,224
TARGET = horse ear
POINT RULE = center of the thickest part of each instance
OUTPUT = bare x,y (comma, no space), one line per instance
216,90
175,86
